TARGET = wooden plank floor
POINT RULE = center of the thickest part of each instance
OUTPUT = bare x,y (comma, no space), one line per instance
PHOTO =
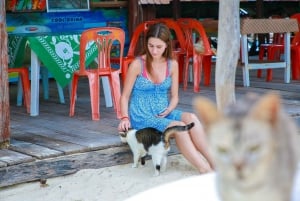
54,144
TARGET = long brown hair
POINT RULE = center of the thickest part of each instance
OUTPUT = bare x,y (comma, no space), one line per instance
161,31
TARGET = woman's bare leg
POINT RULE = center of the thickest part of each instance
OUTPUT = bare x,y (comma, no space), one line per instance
189,151
198,136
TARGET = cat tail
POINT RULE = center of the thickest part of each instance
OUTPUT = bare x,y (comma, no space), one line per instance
172,130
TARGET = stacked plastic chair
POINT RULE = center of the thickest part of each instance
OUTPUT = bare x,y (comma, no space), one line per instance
104,38
200,58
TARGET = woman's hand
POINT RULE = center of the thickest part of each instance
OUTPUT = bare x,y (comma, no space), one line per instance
124,124
164,113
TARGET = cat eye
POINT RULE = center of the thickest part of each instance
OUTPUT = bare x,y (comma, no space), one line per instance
254,148
222,150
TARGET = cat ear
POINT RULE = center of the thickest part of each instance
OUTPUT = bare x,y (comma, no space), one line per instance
206,110
267,108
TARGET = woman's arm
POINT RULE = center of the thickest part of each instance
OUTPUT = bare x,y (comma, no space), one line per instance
133,71
175,86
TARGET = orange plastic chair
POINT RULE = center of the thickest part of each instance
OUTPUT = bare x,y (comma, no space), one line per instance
201,59
104,38
24,76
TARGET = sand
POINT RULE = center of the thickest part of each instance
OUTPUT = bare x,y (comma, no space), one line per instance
107,184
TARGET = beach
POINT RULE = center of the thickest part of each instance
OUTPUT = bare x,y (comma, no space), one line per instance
114,183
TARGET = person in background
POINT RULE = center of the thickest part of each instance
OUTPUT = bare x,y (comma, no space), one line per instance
150,96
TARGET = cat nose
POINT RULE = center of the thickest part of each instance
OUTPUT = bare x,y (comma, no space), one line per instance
238,164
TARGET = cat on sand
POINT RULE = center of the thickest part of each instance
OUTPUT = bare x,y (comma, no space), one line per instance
150,141
253,144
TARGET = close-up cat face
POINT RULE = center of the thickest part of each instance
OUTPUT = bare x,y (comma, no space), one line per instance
242,149
253,145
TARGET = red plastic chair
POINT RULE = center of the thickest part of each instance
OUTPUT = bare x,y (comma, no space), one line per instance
274,52
265,48
24,76
104,38
138,34
179,42
278,39
295,51
200,59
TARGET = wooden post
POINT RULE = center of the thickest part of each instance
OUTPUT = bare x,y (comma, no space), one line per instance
176,9
133,16
228,51
4,94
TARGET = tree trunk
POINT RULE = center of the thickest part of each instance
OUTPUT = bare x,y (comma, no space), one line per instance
228,51
4,93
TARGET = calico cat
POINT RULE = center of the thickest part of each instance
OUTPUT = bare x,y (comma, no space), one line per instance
150,141
253,144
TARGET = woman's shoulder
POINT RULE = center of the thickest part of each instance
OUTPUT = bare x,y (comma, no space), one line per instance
173,63
136,64
138,61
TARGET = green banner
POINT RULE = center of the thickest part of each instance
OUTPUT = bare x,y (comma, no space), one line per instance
16,51
58,53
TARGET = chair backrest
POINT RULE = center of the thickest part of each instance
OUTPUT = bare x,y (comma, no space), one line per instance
137,35
142,28
174,28
190,26
104,39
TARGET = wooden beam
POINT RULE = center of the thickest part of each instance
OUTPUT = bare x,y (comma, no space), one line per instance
176,7
68,164
133,16
4,94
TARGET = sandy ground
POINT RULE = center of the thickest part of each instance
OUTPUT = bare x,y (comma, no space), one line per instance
107,184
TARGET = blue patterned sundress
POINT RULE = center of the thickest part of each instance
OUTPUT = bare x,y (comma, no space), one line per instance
148,99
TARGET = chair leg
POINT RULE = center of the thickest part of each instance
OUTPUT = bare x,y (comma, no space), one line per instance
94,94
295,65
273,54
20,92
116,92
60,93
26,87
23,86
206,63
197,61
186,73
180,59
262,51
73,94
45,82
269,75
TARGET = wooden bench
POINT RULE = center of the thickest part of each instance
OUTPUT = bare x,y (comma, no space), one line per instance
253,26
